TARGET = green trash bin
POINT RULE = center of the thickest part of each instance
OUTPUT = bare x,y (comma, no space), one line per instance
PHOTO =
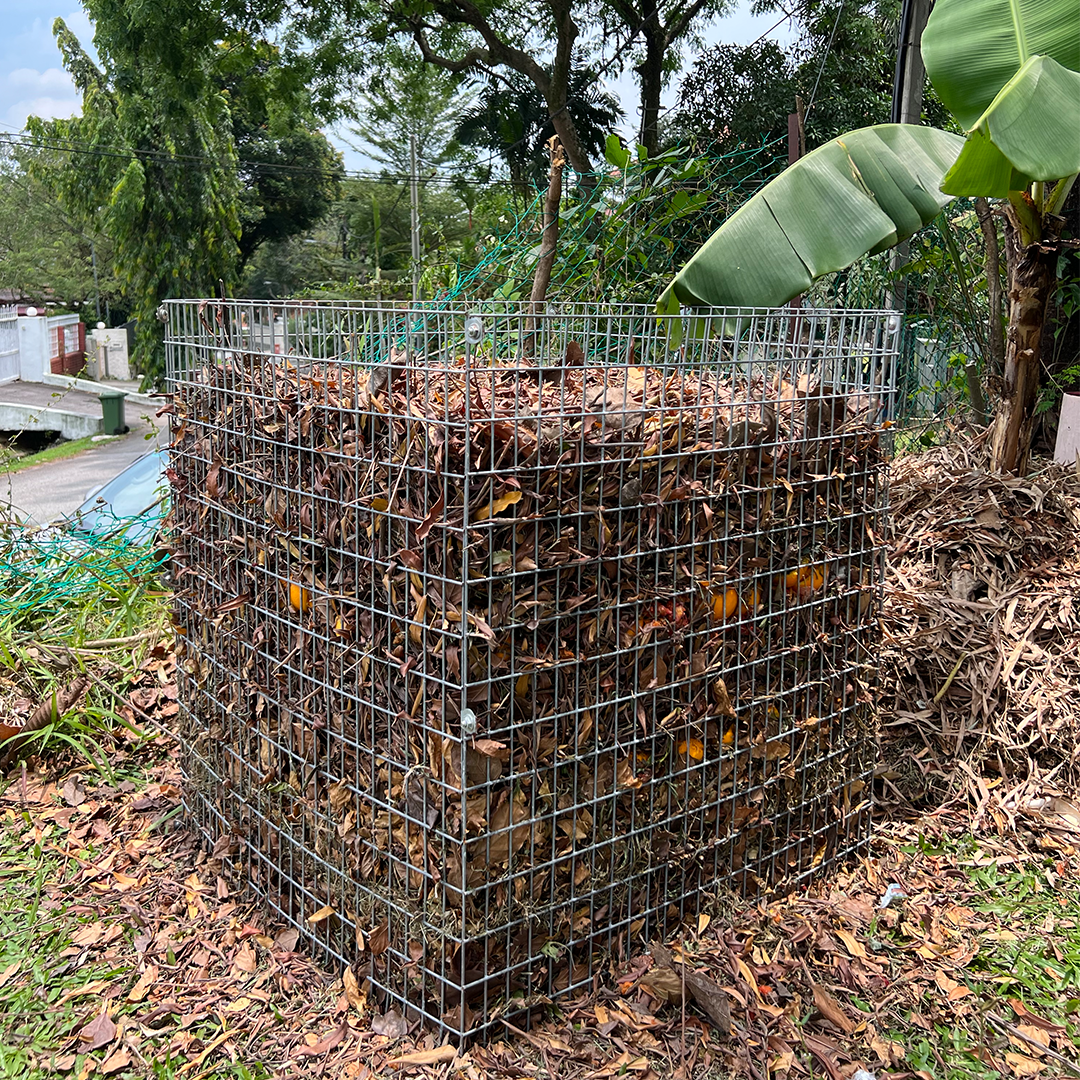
112,412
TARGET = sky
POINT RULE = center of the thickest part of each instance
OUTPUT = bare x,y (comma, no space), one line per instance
34,83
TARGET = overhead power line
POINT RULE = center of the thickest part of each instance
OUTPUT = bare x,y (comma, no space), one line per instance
127,154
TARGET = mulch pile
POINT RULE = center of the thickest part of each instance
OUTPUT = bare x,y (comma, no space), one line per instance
981,620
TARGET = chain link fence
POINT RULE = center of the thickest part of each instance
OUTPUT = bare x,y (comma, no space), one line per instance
512,639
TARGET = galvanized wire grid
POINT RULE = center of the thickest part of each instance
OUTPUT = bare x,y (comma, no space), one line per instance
512,639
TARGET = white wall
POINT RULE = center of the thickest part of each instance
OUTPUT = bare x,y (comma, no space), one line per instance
34,348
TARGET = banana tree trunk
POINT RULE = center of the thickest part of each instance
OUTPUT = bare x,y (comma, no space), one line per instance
1033,275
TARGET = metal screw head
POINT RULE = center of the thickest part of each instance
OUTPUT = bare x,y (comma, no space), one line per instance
468,722
474,329
162,314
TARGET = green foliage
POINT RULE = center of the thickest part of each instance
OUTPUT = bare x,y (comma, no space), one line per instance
187,168
46,253
289,173
734,95
618,235
510,120
160,175
871,188
407,98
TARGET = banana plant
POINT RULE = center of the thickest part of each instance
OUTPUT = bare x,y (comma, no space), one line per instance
1009,72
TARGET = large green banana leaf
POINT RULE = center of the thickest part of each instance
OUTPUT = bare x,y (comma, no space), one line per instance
863,192
1031,131
972,48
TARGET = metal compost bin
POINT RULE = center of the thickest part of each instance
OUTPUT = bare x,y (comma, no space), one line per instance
510,641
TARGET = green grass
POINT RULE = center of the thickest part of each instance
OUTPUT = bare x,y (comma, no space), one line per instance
56,452
42,907
96,611
1018,958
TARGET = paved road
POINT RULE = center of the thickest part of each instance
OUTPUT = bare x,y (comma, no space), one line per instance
46,492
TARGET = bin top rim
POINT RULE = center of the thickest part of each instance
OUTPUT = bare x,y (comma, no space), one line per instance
553,308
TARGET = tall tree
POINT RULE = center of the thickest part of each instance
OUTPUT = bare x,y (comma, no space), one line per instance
157,169
45,252
187,168
510,119
404,99
468,38
658,27
740,96
289,173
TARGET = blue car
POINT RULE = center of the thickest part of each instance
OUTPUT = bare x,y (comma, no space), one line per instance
131,505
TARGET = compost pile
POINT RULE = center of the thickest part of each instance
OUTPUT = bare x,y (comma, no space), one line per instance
982,631
652,588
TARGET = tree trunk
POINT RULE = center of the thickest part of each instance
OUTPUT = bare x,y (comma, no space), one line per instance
996,333
549,233
1031,283
651,73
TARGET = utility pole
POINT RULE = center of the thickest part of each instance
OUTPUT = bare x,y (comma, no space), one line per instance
910,71
907,101
414,199
97,287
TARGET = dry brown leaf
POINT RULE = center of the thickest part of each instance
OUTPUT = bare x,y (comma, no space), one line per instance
393,1025
497,506
1028,1017
99,1032
357,998
424,1057
325,1044
830,1008
1022,1065
145,981
117,1060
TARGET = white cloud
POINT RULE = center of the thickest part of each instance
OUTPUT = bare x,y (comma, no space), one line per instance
32,79
51,80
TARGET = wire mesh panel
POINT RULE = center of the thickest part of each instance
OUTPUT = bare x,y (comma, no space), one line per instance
511,638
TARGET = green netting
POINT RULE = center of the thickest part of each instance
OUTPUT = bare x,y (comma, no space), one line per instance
625,231
622,232
48,568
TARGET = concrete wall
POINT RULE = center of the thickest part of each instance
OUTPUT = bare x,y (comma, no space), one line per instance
34,350
108,350
70,425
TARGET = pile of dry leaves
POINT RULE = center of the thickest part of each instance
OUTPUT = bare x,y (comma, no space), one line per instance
494,647
982,625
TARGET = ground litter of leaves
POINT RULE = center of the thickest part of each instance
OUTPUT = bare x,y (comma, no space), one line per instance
951,951
182,969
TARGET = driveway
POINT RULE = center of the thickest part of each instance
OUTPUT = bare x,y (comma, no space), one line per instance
46,492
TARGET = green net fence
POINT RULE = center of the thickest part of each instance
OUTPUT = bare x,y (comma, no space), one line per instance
623,231
44,569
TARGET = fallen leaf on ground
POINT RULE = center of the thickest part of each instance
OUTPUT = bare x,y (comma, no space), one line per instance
119,1059
393,1025
1022,1065
425,1057
99,1032
830,1008
328,1043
